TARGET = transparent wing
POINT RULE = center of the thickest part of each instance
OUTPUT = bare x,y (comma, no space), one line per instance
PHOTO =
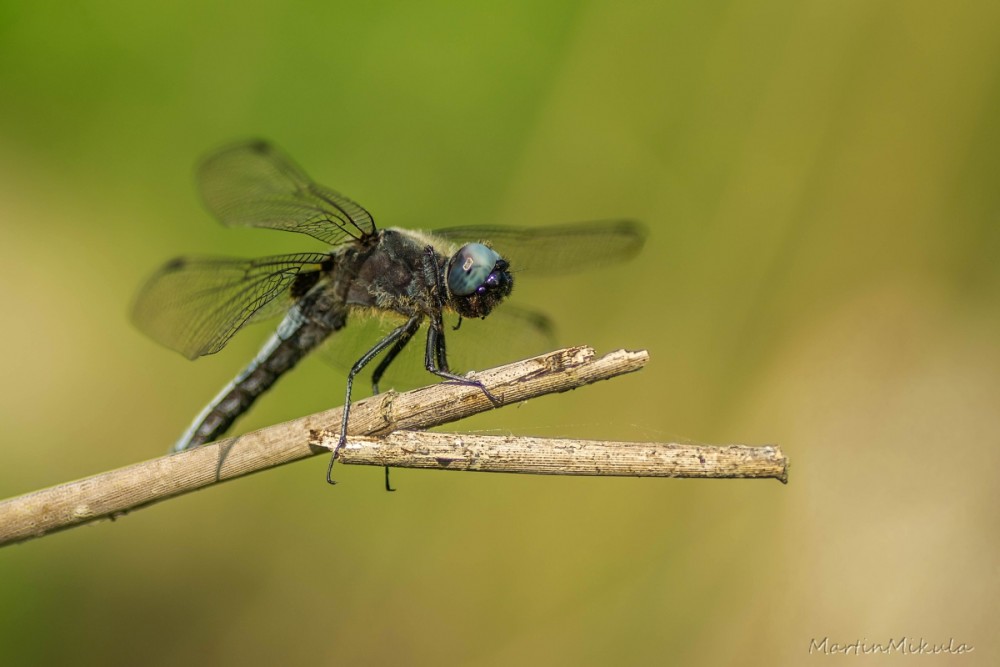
509,333
195,305
556,249
253,184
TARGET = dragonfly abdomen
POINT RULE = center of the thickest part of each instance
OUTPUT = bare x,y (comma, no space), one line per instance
295,337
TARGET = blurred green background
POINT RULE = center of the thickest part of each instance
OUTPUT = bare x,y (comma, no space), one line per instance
820,183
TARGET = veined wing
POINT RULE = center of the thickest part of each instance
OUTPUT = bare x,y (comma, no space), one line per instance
559,248
194,305
254,184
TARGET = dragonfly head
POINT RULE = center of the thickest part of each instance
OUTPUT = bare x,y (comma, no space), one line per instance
478,279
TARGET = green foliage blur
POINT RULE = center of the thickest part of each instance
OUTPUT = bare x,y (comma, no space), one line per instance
820,184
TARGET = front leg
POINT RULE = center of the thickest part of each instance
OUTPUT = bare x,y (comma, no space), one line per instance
435,360
436,357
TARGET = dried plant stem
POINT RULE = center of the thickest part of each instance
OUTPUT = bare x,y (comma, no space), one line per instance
554,456
119,491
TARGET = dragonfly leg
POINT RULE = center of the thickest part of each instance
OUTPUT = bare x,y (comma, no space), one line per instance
412,326
435,360
365,359
440,351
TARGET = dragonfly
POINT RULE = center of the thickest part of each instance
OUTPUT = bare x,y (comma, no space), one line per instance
195,305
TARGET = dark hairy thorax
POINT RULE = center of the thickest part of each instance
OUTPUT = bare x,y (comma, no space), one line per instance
392,275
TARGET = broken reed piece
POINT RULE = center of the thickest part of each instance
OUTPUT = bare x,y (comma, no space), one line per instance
558,456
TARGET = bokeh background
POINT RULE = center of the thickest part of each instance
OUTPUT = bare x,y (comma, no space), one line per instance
820,184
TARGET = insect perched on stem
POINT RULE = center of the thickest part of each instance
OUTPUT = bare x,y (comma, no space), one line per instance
195,305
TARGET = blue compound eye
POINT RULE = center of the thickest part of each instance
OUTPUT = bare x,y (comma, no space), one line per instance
470,268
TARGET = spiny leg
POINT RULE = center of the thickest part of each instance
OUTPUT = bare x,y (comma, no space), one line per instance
392,338
412,326
435,360
441,353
